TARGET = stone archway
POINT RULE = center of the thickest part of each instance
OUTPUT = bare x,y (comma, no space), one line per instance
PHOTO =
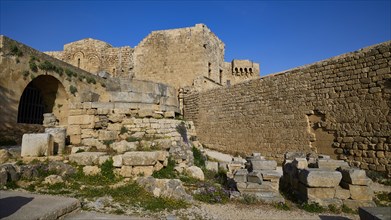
44,94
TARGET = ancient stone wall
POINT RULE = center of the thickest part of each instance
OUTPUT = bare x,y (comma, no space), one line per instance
340,106
96,56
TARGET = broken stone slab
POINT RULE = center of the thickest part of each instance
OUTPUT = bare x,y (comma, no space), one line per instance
53,179
263,164
331,164
59,135
36,145
86,158
143,158
240,175
271,175
374,213
292,155
358,192
171,188
313,177
355,176
255,177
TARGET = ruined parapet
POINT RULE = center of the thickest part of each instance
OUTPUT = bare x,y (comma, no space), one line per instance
260,179
326,181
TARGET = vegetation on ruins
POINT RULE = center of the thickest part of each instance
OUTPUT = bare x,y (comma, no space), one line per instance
15,51
72,89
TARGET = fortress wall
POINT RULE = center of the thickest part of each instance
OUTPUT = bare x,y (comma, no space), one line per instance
339,106
176,57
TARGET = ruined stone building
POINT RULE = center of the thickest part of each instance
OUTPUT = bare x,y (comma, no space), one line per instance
183,57
339,106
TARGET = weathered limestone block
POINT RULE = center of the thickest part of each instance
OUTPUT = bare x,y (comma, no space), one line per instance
145,113
241,175
358,192
76,149
142,170
117,160
142,158
91,170
124,146
171,188
53,179
263,164
103,159
255,177
59,135
195,172
331,164
169,114
107,135
341,193
114,127
292,155
158,166
126,171
36,145
313,177
4,155
271,175
354,204
82,120
211,165
300,163
49,120
86,158
316,193
355,176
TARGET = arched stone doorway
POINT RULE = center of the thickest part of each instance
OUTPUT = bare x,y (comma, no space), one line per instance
44,94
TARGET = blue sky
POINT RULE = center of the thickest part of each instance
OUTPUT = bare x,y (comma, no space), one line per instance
278,34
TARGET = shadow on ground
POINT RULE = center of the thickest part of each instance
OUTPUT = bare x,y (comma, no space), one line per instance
10,205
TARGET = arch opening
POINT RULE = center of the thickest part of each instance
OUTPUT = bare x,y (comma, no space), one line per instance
44,94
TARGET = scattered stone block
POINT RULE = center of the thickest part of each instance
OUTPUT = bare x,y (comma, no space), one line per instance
355,176
263,164
271,175
292,155
91,170
59,135
142,170
240,176
255,177
195,172
331,164
86,158
211,165
124,146
358,192
223,166
169,114
36,145
142,158
4,155
313,177
300,163
374,213
53,179
316,193
170,188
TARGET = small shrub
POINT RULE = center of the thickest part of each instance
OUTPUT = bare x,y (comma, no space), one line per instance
72,89
46,65
334,209
123,130
167,172
199,159
69,73
211,194
282,206
11,185
33,66
15,51
107,170
91,80
249,199
312,207
346,209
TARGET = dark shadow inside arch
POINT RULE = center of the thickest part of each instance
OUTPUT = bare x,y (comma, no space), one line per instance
40,96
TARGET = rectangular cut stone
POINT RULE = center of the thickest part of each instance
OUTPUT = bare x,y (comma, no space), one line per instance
271,175
117,160
341,193
358,192
211,165
300,163
36,145
81,120
313,177
355,176
316,193
263,164
142,170
107,135
140,158
331,164
86,158
355,204
255,177
241,175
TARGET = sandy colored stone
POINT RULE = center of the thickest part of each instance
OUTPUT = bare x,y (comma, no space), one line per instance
313,177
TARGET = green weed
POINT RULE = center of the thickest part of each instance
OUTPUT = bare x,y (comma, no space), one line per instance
312,207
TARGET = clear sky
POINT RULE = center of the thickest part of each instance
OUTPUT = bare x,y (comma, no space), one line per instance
278,34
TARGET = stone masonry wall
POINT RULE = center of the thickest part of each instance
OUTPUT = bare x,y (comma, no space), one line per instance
340,107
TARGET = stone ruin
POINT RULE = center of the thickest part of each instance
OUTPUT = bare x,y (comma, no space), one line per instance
325,181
